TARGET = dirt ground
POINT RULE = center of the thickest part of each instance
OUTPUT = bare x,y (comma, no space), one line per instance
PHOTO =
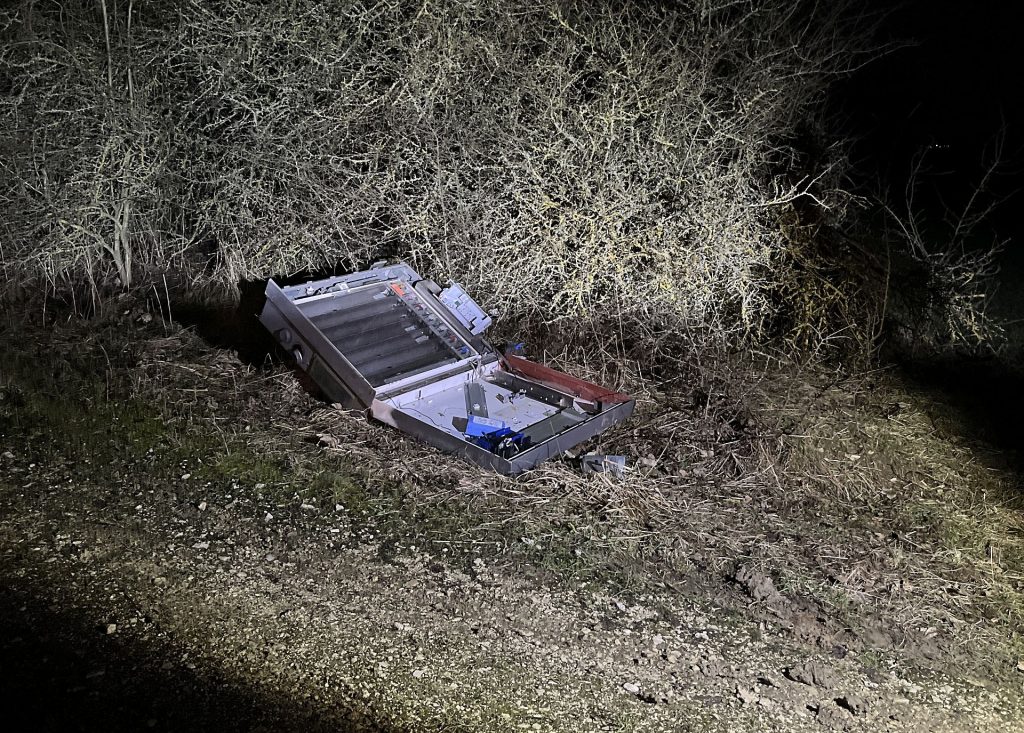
190,540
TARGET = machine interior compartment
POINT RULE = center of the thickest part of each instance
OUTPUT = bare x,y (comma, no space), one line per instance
385,330
502,400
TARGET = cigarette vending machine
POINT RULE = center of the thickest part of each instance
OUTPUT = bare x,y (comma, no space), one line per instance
413,355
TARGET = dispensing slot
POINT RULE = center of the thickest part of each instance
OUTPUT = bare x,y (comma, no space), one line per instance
344,331
359,314
393,371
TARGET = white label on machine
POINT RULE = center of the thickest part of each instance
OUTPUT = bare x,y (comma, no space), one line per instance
471,315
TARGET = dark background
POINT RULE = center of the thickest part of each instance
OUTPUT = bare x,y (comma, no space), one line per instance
952,91
949,93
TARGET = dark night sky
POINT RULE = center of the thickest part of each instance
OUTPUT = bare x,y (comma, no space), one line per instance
951,93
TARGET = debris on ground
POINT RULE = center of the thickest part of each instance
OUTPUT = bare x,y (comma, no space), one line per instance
592,463
413,356
435,594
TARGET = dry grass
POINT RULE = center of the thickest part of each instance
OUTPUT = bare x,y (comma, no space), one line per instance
934,535
839,488
936,551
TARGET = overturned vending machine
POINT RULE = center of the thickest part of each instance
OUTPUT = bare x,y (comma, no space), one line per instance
413,355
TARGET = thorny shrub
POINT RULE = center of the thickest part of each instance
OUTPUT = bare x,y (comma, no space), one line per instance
581,162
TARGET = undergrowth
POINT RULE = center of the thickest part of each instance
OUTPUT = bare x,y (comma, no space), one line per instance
838,487
583,163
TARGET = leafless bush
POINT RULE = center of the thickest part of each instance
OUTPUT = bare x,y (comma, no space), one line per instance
574,163
622,161
84,174
957,262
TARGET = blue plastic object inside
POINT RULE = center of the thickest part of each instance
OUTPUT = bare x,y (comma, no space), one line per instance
477,426
504,442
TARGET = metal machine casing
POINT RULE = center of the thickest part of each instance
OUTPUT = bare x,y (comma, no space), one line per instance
383,340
